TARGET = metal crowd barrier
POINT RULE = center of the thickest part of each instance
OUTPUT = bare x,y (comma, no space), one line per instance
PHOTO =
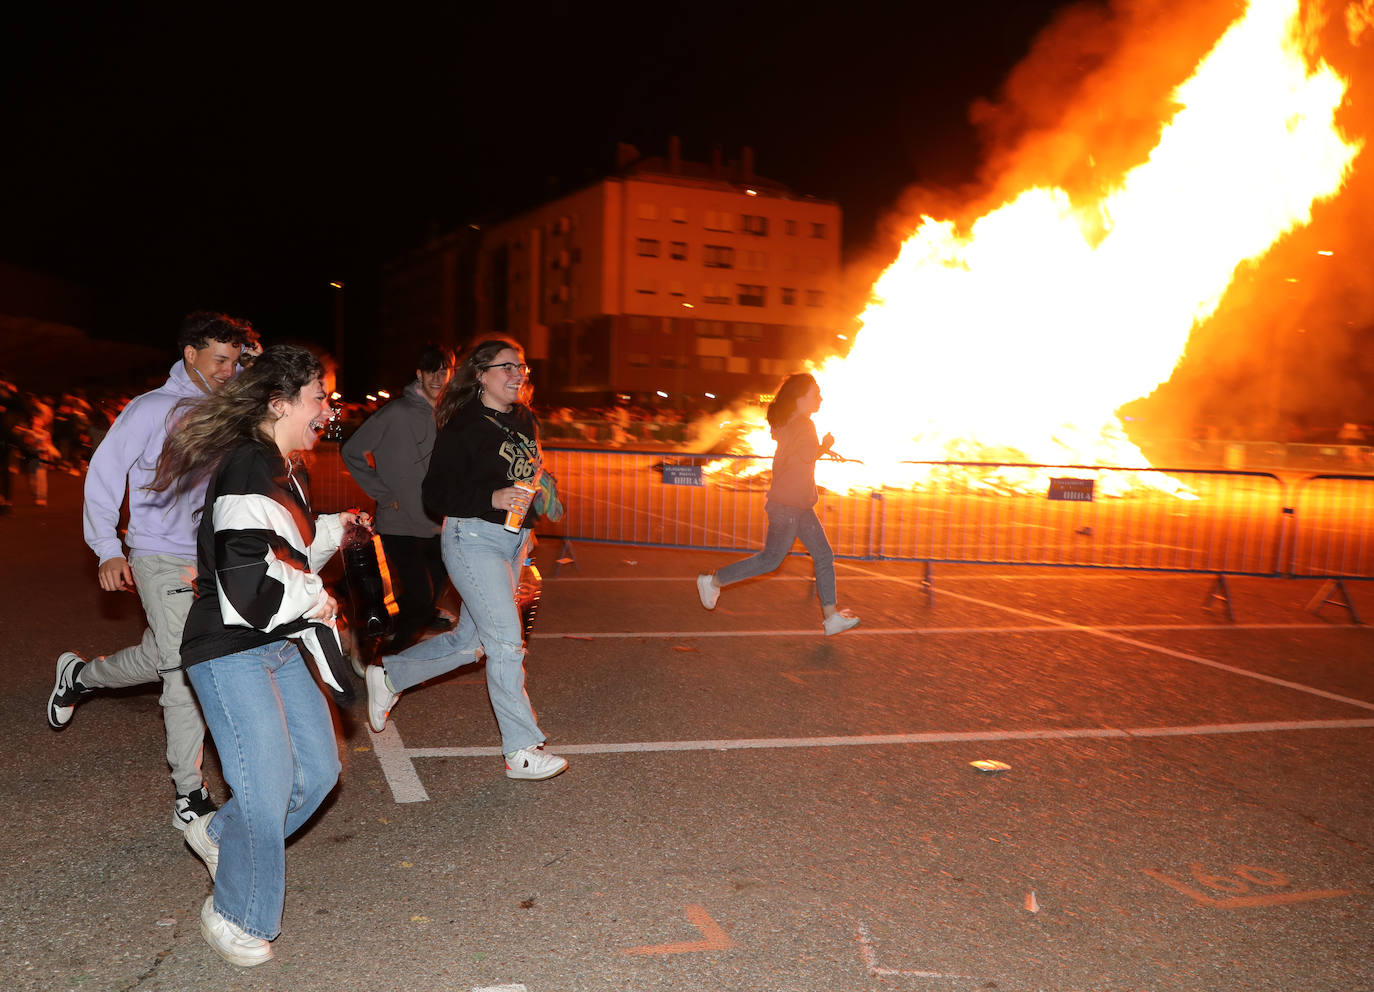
966,512
1221,523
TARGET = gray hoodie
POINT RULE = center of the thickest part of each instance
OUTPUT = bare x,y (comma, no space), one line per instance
400,438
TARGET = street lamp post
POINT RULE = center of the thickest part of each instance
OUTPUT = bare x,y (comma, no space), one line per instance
338,287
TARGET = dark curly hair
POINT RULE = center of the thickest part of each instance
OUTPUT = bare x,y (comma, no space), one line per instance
201,327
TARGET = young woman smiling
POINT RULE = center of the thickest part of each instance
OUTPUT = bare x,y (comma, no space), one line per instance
488,442
259,604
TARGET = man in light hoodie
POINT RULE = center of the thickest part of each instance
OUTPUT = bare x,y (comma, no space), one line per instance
388,457
161,560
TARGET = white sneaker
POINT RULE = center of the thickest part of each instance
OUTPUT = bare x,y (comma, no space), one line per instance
840,621
380,699
708,591
534,764
229,940
198,837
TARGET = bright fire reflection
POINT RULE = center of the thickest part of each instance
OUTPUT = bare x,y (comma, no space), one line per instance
1018,339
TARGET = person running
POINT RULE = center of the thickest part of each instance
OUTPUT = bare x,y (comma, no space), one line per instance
486,461
790,505
388,457
259,604
161,561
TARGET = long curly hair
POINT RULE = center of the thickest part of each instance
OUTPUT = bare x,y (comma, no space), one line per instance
240,411
463,388
784,404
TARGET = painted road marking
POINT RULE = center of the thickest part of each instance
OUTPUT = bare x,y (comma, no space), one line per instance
398,767
875,970
1238,887
1156,648
713,937
796,674
871,631
501,988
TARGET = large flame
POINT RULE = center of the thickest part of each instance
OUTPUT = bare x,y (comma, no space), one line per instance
1018,339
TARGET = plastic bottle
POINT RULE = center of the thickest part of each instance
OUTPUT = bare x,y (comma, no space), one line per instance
365,587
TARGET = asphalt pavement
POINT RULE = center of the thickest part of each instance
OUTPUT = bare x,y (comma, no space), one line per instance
751,806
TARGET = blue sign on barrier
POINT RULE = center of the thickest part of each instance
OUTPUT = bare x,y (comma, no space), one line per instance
1071,489
682,475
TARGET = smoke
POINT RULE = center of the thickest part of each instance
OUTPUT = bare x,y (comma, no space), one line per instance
1291,348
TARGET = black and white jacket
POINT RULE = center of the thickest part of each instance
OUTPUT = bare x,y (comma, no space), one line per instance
258,552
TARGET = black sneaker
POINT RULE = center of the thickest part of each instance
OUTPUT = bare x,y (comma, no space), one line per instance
65,691
187,808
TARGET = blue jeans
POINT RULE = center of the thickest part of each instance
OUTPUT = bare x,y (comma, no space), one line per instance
483,561
785,525
275,738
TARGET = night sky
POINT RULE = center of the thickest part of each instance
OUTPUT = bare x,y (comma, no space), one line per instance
240,158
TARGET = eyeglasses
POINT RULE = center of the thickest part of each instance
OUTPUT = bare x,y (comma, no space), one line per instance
510,368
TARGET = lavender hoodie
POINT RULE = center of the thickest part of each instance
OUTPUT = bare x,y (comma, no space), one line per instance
159,523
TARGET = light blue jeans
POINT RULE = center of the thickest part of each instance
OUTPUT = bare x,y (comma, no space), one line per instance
275,739
483,560
785,525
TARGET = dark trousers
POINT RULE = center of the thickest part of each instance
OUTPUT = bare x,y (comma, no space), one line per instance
417,579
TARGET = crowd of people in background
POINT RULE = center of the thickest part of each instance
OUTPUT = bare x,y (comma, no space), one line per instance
50,432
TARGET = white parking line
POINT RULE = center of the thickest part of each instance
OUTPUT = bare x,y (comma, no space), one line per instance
1109,634
406,788
870,631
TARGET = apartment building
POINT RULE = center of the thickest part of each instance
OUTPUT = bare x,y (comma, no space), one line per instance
670,276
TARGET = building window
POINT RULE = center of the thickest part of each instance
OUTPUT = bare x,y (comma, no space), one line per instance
711,363
815,298
647,247
789,227
753,261
718,256
678,215
753,224
719,220
750,295
817,230
638,360
648,211
649,287
677,250
671,362
713,293
745,331
710,328
675,288
789,297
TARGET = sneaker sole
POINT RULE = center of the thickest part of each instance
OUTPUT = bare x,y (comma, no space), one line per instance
528,777
367,692
64,664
